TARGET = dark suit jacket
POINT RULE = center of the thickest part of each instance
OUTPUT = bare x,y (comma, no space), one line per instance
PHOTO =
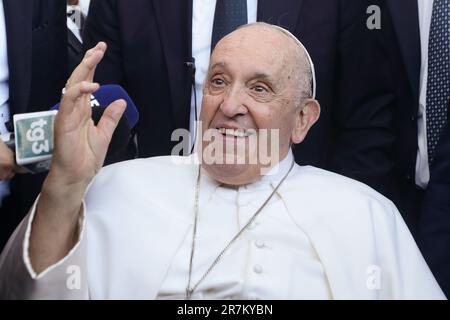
401,32
434,228
37,57
150,41
75,51
430,224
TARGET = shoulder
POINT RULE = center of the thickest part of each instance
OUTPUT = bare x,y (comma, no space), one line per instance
153,180
330,194
147,171
143,188
333,207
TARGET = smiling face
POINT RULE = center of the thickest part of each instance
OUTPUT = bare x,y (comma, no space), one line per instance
253,83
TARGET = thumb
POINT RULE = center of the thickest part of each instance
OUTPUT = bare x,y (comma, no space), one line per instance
111,117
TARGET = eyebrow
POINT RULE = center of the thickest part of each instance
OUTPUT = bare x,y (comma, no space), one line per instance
218,64
255,75
261,75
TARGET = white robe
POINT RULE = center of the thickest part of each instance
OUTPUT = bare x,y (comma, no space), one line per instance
140,213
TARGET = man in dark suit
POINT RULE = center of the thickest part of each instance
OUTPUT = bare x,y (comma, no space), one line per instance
36,52
415,30
419,51
434,227
150,48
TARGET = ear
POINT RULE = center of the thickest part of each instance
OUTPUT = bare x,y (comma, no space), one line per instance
308,115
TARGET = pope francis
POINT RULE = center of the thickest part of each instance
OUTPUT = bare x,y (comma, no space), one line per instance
218,224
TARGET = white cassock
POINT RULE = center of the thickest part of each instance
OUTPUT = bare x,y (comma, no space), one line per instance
322,236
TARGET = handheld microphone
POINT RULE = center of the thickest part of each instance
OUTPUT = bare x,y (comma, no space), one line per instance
106,95
34,135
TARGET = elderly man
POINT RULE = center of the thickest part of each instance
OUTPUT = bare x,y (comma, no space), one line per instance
219,229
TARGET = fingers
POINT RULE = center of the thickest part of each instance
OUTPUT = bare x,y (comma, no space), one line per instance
86,69
80,85
7,175
111,118
3,148
6,172
78,90
19,169
7,162
74,95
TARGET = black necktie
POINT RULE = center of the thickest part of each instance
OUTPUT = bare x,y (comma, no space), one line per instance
438,86
229,15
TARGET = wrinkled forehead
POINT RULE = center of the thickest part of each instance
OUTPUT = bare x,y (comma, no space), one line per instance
257,47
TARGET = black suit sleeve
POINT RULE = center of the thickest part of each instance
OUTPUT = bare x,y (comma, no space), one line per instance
434,227
364,113
103,25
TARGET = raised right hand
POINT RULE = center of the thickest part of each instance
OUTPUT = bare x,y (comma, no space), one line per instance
79,152
80,146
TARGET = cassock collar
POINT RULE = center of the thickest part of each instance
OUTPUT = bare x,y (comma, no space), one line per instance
273,177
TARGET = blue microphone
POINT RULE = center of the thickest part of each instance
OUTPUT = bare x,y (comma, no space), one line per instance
34,136
106,95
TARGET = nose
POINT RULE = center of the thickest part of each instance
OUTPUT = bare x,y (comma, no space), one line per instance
233,103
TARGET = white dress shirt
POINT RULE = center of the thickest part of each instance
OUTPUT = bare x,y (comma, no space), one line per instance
71,25
84,4
422,168
245,271
202,27
4,91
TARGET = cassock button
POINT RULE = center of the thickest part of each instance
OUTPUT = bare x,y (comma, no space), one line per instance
258,269
260,244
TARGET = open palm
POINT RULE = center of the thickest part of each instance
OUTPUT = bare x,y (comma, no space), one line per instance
80,146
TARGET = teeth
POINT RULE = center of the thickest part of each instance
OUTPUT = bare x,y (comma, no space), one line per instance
240,133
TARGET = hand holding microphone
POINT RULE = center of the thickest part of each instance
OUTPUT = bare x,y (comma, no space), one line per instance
32,141
8,167
33,135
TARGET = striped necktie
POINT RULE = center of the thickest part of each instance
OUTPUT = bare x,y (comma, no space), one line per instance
229,15
438,85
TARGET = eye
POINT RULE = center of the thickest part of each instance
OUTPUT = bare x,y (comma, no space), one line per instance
260,89
218,82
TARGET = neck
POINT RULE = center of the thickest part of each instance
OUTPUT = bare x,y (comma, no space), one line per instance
273,174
